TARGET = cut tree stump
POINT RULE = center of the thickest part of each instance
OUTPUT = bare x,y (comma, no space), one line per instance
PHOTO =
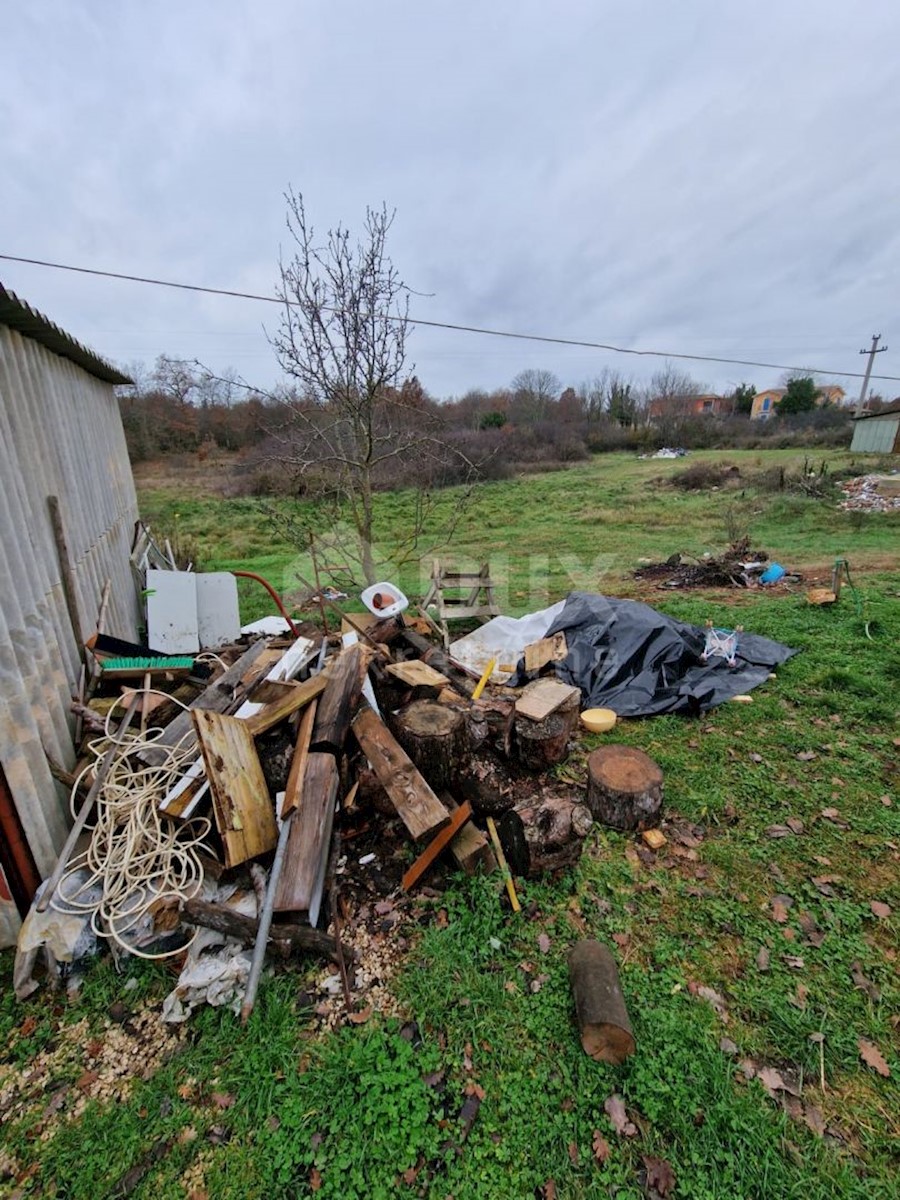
625,788
599,1005
544,834
435,737
543,743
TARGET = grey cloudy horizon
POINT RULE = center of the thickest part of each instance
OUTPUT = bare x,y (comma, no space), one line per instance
704,178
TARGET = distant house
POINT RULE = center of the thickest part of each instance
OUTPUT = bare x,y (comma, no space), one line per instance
67,514
765,403
690,406
878,432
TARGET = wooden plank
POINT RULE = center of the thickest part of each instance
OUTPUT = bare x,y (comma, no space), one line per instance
338,704
218,697
302,879
297,697
245,816
543,697
538,654
417,674
417,806
438,843
293,787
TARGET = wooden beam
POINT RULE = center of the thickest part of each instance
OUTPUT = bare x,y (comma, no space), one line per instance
245,816
438,843
337,705
297,697
293,787
418,807
306,858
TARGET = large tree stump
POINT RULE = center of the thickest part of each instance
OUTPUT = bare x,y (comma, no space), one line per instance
435,737
599,1005
543,744
625,788
544,834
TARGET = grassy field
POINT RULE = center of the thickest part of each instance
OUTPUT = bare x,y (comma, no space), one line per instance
758,949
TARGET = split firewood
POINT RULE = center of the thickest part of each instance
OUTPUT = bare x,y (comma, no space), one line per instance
625,788
470,847
339,700
544,834
599,1004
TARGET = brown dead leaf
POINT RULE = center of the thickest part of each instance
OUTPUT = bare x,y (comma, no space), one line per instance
881,910
315,1179
872,1057
774,1081
793,960
864,985
410,1175
573,1153
814,1120
762,959
711,996
799,998
780,905
660,1176
795,825
807,755
778,831
727,1046
633,858
28,1026
548,1191
600,1147
615,1110
222,1100
360,1018
622,940
822,883
86,1080
467,1057
543,943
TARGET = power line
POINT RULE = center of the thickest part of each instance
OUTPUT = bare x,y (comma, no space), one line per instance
501,333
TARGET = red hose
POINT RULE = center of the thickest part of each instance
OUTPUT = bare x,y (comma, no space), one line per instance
259,579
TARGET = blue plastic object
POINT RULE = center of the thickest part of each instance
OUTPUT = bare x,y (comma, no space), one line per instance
772,574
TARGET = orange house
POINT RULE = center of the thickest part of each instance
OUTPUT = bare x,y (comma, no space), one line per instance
765,403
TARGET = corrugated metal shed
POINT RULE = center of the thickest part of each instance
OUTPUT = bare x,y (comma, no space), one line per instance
60,435
878,432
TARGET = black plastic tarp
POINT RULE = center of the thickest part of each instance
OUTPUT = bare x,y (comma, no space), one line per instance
629,657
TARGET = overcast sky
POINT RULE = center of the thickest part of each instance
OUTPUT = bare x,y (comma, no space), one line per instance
709,176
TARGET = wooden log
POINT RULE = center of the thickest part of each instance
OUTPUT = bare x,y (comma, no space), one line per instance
339,700
436,739
603,1020
417,806
544,743
222,694
302,881
624,788
544,834
284,939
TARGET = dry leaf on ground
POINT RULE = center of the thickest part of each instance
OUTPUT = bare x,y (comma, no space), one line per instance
615,1110
872,1057
880,909
600,1147
660,1176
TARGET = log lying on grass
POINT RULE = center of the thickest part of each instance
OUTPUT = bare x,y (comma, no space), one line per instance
436,738
544,835
603,1020
625,788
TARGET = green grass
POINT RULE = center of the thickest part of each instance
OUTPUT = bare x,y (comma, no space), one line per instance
280,1110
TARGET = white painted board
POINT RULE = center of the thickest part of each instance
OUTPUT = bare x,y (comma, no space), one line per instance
172,626
218,617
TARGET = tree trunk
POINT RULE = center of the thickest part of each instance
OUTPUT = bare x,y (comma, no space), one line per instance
284,939
599,1005
625,788
543,744
544,835
436,739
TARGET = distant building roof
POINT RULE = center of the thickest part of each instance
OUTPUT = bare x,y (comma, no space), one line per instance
893,407
16,314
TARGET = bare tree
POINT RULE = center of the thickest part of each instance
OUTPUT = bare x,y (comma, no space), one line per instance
534,394
357,418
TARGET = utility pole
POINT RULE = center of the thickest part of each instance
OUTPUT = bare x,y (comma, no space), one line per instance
872,351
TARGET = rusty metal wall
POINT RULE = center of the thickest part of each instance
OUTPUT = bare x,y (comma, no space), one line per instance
61,435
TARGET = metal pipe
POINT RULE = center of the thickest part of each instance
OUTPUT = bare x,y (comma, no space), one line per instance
259,579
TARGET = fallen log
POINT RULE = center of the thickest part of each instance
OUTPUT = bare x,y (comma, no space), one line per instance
284,939
436,739
544,834
603,1020
624,788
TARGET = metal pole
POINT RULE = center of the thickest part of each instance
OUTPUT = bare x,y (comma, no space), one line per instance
872,351
265,921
